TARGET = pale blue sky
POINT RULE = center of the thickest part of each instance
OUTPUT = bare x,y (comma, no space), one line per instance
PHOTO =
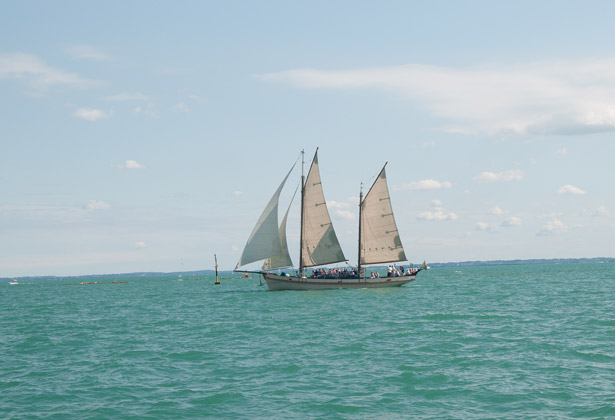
147,136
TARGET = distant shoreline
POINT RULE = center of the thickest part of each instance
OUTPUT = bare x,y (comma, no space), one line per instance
432,265
525,262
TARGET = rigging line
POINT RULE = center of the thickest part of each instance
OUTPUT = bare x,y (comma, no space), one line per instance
291,169
294,164
294,194
370,181
382,170
298,157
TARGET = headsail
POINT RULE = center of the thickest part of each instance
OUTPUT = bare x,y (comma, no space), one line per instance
380,241
264,241
320,245
282,260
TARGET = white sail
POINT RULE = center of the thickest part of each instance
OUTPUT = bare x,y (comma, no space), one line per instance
282,260
264,241
319,242
380,241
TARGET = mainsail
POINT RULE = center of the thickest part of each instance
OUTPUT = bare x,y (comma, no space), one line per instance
380,241
264,241
319,242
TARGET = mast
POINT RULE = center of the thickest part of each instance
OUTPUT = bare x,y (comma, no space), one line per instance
359,256
301,225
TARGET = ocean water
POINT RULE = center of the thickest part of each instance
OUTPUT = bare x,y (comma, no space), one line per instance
506,342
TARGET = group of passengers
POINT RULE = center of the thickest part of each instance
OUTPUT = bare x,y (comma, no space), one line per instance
351,273
393,271
334,273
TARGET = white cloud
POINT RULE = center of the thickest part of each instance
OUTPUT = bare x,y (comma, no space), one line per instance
438,213
345,214
353,200
140,244
601,211
341,209
181,107
491,228
569,190
97,205
127,97
131,164
505,176
337,205
496,211
38,74
87,52
427,184
195,98
148,111
91,114
562,151
437,203
484,227
511,222
553,227
550,97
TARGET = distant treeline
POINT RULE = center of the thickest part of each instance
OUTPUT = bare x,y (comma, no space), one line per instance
112,276
524,262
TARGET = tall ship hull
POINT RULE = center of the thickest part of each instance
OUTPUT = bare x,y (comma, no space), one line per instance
279,282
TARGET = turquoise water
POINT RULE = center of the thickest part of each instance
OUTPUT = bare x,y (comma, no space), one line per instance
508,342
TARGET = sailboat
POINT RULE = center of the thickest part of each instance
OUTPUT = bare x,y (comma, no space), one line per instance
379,241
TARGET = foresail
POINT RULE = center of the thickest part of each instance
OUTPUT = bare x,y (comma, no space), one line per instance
264,241
380,241
282,260
320,245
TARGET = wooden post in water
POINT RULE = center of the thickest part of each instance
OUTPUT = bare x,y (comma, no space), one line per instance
216,260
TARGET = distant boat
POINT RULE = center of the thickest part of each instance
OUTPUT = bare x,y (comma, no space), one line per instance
14,281
379,241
